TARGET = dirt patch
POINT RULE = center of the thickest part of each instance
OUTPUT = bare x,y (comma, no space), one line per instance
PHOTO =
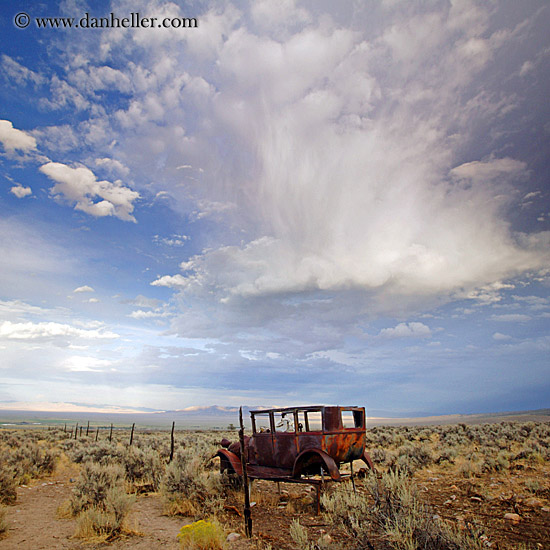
34,523
484,502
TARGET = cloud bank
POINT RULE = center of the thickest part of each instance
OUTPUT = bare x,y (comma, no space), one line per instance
348,151
346,191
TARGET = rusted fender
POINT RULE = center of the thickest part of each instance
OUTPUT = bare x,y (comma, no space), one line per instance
233,460
368,461
328,461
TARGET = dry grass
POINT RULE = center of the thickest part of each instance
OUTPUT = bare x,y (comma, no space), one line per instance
8,485
99,502
3,522
393,507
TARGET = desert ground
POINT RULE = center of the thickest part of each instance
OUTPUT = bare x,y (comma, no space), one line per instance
444,486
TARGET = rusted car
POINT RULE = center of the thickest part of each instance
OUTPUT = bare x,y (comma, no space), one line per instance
292,442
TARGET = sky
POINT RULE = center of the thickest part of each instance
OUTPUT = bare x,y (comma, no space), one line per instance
289,203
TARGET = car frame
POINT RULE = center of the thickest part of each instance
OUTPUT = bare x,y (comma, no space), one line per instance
291,442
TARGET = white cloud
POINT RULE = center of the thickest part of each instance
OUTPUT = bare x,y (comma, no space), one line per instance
172,281
511,318
210,208
18,307
84,288
21,191
80,186
278,16
58,138
483,171
92,78
501,337
113,165
13,139
64,95
407,330
49,330
526,68
18,73
173,240
486,294
143,301
141,314
535,303
80,363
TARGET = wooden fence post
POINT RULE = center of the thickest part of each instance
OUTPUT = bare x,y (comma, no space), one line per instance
97,433
172,442
88,428
111,434
76,431
247,514
132,434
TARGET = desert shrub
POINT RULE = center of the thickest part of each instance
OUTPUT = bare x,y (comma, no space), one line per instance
424,434
532,486
403,465
102,452
378,456
71,447
8,484
469,467
495,462
503,460
536,453
160,445
143,468
410,458
447,454
93,485
31,460
386,436
3,521
453,439
202,535
100,501
189,488
399,514
503,443
299,535
350,511
105,520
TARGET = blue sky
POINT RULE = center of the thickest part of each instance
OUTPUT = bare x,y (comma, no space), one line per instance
293,203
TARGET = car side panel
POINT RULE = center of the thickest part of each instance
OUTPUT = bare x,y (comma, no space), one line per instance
284,449
345,446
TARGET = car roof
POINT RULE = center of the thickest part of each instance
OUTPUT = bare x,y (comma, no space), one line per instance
305,408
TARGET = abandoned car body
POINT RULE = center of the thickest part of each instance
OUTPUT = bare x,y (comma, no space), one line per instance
291,442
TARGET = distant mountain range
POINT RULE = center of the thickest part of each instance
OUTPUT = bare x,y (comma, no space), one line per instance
213,416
